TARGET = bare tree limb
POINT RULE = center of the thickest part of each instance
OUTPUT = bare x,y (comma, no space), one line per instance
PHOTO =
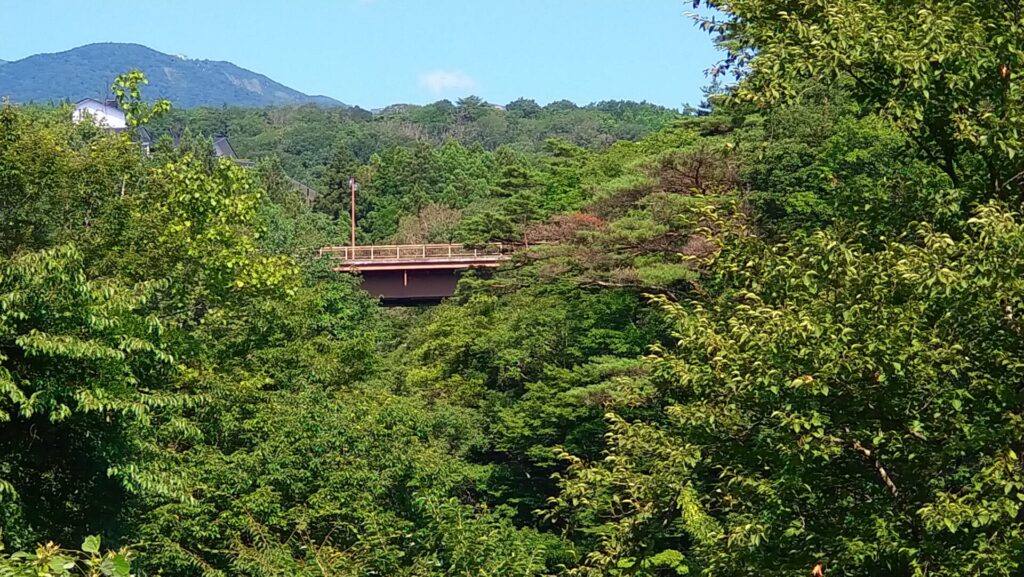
879,467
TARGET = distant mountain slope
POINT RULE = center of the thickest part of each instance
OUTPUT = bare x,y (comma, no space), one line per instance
88,71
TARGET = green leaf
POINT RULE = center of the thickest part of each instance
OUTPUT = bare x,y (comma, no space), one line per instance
91,544
121,566
59,565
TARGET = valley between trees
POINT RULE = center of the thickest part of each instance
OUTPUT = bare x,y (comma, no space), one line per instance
778,336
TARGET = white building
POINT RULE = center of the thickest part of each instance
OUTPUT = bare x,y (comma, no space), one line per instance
108,116
102,114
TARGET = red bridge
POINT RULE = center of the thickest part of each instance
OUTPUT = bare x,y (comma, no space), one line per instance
417,272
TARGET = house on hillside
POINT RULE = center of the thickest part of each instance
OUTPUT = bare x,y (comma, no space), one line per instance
104,114
222,148
108,116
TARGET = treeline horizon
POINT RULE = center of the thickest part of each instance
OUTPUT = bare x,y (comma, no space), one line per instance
522,104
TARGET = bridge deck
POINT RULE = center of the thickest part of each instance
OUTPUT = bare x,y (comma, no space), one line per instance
416,257
415,273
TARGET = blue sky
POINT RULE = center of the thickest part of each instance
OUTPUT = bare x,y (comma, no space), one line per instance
377,52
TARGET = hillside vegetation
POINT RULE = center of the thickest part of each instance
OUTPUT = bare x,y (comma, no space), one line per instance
780,338
308,140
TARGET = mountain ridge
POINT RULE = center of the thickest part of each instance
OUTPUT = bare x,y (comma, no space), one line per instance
88,71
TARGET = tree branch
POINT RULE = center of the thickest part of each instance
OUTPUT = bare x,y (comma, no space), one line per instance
879,467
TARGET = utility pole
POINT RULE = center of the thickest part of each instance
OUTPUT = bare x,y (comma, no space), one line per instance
353,185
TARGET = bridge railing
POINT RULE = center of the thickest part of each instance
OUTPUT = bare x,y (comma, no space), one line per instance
415,252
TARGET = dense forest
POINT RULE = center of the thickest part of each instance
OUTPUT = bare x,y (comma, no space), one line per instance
308,140
779,335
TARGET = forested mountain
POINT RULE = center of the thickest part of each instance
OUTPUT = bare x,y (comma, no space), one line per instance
87,72
782,338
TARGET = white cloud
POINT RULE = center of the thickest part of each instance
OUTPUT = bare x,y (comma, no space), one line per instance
438,82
